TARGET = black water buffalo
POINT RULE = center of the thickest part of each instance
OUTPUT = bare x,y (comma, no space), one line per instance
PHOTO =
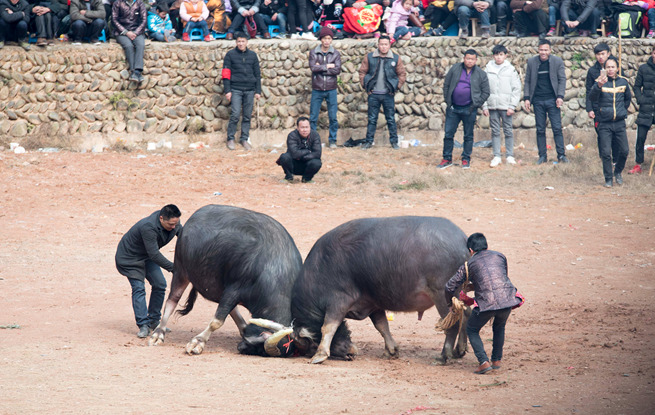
367,266
234,256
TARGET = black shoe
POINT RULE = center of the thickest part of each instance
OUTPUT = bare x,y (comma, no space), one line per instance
144,331
542,36
307,180
520,35
367,145
395,146
139,77
618,178
608,183
542,160
562,159
133,77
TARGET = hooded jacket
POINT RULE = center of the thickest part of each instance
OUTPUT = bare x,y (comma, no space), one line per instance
397,18
158,25
645,92
504,86
613,99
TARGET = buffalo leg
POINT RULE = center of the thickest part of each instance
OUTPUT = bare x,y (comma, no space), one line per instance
327,333
225,307
178,285
379,319
239,320
462,338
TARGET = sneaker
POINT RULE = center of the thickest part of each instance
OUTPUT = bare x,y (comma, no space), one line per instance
608,183
651,34
551,32
618,179
366,146
246,145
308,36
144,331
139,76
333,145
636,169
76,43
186,37
296,36
208,38
511,160
571,34
395,146
542,160
485,33
445,164
585,33
133,77
97,43
230,144
594,35
25,45
464,33
562,159
495,162
466,164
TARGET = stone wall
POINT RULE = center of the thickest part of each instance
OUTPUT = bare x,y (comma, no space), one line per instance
55,96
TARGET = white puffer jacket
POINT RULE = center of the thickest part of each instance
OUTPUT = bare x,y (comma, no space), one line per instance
505,86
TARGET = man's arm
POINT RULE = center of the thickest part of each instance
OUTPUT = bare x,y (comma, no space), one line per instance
314,65
628,95
363,70
258,76
639,84
561,79
316,149
401,72
97,11
591,5
484,86
564,10
589,82
527,81
293,146
226,74
453,283
149,236
337,66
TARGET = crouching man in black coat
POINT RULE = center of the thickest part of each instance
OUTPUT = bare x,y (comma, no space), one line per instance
303,156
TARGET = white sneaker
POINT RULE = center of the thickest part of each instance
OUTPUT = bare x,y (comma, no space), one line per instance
296,36
510,160
495,162
308,36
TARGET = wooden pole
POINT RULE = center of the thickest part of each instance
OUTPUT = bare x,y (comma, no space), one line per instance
619,29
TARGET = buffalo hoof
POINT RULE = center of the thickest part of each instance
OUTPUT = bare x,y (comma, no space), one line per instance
459,352
440,360
353,351
156,338
319,357
195,346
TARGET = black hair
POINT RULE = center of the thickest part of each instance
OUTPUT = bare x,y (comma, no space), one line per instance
612,58
602,46
499,49
470,52
384,37
240,35
170,211
476,242
303,118
544,42
162,7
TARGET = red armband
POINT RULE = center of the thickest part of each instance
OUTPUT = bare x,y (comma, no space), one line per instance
226,73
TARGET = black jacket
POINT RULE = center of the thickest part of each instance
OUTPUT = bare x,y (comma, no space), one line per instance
479,85
241,71
583,8
645,92
276,6
612,100
128,17
19,11
592,74
304,149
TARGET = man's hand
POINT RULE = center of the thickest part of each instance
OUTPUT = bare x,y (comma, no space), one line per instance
485,113
559,102
480,6
526,105
82,12
131,35
257,96
229,96
9,11
572,24
510,112
592,114
267,2
330,65
251,12
274,17
385,3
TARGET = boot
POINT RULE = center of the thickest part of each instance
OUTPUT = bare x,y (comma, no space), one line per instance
485,33
501,27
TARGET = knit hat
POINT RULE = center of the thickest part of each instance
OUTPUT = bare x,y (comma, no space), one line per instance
325,31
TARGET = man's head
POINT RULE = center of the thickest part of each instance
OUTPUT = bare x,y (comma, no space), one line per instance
602,52
544,49
384,44
169,217
500,54
242,41
470,58
325,36
476,242
612,67
161,9
303,127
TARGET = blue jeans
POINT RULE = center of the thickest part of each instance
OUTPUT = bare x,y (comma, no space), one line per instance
375,101
477,321
651,19
465,13
332,106
281,21
553,16
543,109
403,30
151,314
241,103
202,25
455,114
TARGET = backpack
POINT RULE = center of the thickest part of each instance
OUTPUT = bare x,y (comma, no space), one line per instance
630,24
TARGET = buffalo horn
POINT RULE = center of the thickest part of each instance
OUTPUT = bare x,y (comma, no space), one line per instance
270,345
267,324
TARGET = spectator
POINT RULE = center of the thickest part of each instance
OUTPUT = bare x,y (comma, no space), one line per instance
381,75
330,12
545,83
325,64
505,93
553,16
219,20
274,12
88,20
465,89
129,20
581,17
245,9
611,93
242,85
651,19
530,16
303,156
645,95
45,20
503,15
466,9
396,23
14,18
194,14
441,15
301,15
107,5
160,27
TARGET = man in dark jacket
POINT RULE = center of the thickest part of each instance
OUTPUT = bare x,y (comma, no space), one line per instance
581,17
530,17
303,156
645,95
242,84
46,15
274,12
545,84
325,64
129,22
381,75
465,89
242,9
494,294
14,18
138,258
88,20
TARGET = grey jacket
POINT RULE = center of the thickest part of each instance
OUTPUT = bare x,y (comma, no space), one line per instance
557,76
469,3
479,84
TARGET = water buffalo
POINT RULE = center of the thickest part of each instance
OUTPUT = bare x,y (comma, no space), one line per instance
367,266
234,256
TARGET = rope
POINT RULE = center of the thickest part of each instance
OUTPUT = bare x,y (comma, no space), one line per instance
454,315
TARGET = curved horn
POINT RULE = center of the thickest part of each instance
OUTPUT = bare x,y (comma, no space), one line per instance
267,324
270,345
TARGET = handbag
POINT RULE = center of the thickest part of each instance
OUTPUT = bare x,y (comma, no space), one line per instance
251,27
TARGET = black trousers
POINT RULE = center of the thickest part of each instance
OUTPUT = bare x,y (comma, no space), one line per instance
642,133
238,20
535,22
298,167
608,133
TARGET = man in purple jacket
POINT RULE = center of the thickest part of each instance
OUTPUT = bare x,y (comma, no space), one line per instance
494,294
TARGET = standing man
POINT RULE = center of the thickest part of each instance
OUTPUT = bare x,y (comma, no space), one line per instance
465,89
645,94
382,74
242,83
545,83
325,63
303,156
602,52
138,258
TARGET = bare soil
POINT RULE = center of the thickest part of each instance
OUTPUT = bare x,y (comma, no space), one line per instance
582,255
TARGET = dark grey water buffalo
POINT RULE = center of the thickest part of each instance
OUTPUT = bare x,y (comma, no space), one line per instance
234,256
367,266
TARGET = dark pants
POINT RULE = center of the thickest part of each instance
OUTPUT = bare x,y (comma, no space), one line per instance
608,133
592,23
477,321
46,25
108,20
150,314
642,133
300,14
465,13
298,167
238,20
615,147
16,31
455,114
241,103
535,22
92,31
332,107
542,111
133,51
375,101
441,16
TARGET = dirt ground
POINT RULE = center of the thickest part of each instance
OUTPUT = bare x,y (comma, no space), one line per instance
581,254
